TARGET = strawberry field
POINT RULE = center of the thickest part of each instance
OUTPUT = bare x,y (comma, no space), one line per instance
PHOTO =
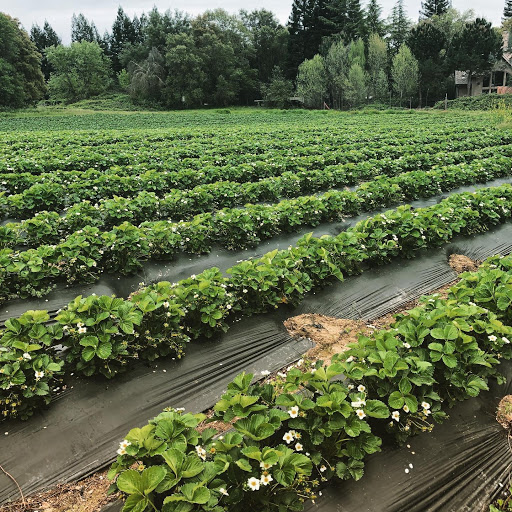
134,247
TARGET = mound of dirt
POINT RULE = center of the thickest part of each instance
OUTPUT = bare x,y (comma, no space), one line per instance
504,414
331,335
88,495
461,263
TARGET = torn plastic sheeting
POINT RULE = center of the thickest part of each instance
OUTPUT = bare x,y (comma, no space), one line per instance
80,431
461,466
184,264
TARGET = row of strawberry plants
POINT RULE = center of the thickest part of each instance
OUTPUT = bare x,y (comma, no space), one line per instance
50,227
200,149
293,434
85,254
105,334
95,184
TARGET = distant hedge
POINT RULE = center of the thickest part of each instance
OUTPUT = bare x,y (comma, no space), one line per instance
482,102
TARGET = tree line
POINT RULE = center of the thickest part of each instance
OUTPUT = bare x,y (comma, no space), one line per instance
331,52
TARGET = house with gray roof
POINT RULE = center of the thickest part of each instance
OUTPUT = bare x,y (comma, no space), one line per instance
498,80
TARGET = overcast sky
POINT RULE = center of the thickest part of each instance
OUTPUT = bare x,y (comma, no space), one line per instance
103,12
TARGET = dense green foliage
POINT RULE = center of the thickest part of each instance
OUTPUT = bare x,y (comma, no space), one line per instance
483,102
161,318
70,66
403,378
21,79
173,60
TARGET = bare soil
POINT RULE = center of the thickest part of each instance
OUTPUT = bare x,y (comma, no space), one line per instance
88,495
461,263
504,414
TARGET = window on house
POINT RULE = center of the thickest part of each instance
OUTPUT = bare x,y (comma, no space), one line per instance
498,78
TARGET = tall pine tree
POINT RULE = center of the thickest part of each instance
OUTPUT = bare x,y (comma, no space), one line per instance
307,26
373,21
431,8
399,26
82,30
123,31
43,38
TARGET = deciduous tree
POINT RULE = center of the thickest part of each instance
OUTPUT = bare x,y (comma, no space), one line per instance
404,72
81,71
21,79
312,81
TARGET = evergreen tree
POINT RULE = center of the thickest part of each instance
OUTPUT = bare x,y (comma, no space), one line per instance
373,22
507,11
399,26
301,26
83,30
428,44
269,41
44,38
21,79
475,49
355,26
344,19
431,8
124,32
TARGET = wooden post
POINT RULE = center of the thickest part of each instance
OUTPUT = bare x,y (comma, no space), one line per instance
446,101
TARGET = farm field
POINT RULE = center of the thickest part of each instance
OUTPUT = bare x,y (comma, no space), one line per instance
147,259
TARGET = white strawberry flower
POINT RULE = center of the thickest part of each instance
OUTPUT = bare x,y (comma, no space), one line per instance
201,452
299,447
405,408
288,437
425,405
253,484
223,491
266,479
360,414
492,337
27,356
361,388
39,375
294,411
395,415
